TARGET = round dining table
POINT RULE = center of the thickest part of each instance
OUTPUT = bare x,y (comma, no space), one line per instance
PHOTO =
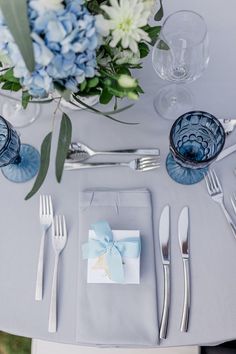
212,244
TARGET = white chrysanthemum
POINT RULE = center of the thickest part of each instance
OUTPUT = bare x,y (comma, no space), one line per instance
149,5
125,20
45,5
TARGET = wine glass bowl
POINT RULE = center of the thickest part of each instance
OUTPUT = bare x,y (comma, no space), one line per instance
19,162
196,139
181,51
180,56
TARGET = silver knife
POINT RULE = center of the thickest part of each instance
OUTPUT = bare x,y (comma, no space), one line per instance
229,150
164,237
183,232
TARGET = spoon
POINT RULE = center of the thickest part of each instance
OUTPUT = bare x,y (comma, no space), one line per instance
79,152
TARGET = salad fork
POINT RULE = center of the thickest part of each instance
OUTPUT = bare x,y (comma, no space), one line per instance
140,164
46,217
216,192
59,238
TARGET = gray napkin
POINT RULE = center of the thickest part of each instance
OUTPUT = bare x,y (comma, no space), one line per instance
116,314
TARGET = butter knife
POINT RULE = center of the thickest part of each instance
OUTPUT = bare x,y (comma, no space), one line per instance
183,233
164,237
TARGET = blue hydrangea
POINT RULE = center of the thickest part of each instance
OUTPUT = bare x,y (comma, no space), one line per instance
64,42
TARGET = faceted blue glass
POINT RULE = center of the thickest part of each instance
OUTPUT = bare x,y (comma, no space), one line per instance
19,163
196,139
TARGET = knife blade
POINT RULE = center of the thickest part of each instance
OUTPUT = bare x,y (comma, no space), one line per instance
183,233
164,238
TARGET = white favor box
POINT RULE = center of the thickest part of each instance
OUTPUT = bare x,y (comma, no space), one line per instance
131,266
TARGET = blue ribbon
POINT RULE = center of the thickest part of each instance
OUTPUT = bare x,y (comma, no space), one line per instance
103,244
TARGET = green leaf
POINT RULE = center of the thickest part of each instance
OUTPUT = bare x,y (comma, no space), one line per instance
25,98
11,86
159,13
83,85
105,96
9,76
44,164
143,49
64,141
65,93
153,32
162,45
139,89
15,15
93,82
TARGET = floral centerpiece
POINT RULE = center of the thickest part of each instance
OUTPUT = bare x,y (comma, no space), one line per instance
77,48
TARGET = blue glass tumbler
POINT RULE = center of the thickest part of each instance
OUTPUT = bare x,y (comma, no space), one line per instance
18,162
196,139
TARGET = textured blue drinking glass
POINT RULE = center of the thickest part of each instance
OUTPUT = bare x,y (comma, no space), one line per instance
19,163
196,139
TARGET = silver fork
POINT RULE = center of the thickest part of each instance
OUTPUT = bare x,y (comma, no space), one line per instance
46,217
59,238
140,164
216,192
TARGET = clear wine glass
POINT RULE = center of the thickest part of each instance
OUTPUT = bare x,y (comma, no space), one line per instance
19,162
12,109
180,55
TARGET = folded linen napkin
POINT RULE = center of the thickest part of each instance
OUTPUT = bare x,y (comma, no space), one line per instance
118,314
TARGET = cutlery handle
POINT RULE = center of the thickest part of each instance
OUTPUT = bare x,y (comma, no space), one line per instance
77,166
39,279
226,152
187,296
149,152
229,219
52,323
166,302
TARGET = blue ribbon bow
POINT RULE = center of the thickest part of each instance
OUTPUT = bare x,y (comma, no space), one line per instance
103,244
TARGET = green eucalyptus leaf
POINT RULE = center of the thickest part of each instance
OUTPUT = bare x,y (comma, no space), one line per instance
64,141
26,97
44,164
16,18
162,45
105,96
11,86
158,16
65,93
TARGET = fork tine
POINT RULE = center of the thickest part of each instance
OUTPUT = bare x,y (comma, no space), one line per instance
64,225
44,204
47,204
213,182
217,180
40,205
207,180
50,206
57,226
147,168
60,225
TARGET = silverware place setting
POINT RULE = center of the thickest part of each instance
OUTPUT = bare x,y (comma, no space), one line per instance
79,152
140,164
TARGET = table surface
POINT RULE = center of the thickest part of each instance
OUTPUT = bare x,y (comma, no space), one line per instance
213,248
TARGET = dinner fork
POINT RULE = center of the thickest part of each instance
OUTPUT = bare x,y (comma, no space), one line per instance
140,164
216,192
59,238
46,217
